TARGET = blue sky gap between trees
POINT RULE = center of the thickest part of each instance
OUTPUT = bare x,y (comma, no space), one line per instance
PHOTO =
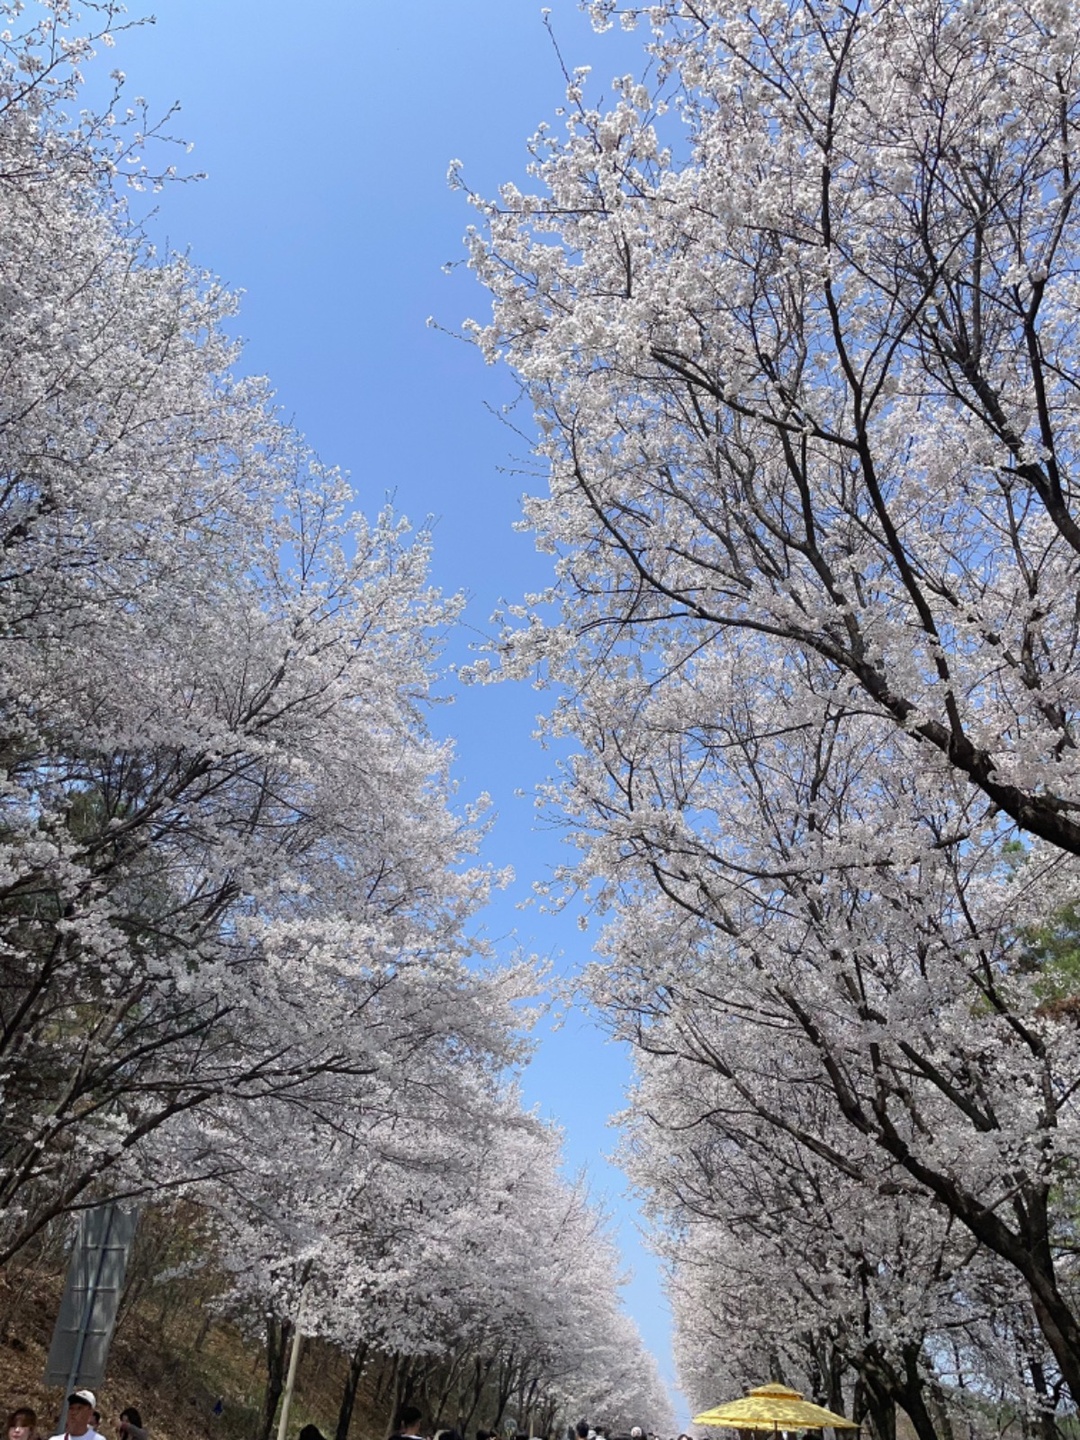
325,134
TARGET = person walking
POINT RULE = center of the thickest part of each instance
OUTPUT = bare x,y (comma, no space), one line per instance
81,1405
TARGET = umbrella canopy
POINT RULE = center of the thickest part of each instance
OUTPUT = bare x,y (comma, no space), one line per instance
773,1407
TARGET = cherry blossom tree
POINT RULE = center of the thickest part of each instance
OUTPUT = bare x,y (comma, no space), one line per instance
446,1250
857,1292
230,867
235,896
797,319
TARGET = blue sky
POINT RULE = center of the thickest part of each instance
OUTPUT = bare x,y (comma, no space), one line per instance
325,129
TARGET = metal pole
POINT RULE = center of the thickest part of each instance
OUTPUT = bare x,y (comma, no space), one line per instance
290,1382
87,1312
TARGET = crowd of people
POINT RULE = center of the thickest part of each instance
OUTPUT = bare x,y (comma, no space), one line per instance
410,1426
81,1422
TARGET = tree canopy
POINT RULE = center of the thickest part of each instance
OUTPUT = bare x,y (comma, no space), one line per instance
796,314
239,974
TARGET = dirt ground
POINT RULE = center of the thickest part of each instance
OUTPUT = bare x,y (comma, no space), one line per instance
173,1381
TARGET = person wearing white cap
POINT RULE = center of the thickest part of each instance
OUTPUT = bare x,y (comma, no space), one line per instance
637,1433
81,1405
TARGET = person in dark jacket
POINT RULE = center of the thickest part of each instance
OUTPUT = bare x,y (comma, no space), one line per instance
408,1424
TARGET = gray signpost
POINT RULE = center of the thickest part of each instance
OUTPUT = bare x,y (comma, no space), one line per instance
95,1282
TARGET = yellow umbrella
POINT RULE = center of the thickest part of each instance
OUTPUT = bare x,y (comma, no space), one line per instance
773,1407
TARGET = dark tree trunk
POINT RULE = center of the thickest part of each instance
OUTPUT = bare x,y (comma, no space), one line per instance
481,1371
278,1336
1058,1324
348,1394
913,1398
872,1403
387,1378
447,1387
881,1389
549,1412
402,1389
507,1373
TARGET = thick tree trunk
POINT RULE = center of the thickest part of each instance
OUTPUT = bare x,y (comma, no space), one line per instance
348,1393
912,1396
1059,1327
880,1389
880,1409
